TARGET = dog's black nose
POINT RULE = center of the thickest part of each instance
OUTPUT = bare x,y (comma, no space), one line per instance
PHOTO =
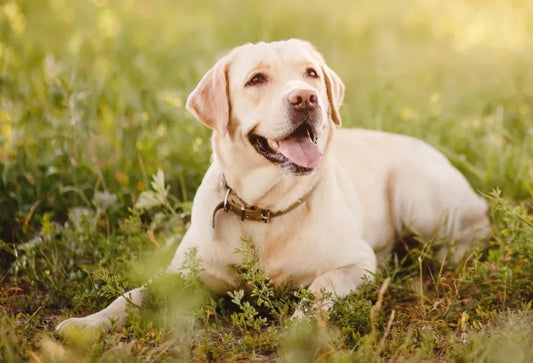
303,99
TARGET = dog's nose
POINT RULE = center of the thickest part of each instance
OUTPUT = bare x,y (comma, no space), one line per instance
303,99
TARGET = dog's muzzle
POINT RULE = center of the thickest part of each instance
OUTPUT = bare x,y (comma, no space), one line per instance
298,151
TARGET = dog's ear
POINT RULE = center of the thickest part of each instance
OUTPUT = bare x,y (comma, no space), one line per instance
209,101
335,89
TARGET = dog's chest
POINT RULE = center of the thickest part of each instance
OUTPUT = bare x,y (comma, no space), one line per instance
287,253
274,243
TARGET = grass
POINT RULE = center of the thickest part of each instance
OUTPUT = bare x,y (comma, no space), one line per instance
92,106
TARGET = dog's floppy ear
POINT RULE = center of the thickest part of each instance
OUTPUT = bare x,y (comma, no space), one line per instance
209,101
335,89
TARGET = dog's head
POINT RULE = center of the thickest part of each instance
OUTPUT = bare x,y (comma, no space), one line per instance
279,99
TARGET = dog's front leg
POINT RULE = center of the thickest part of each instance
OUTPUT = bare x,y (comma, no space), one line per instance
116,313
334,284
113,315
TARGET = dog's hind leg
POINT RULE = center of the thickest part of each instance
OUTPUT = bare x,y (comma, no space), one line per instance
471,227
436,201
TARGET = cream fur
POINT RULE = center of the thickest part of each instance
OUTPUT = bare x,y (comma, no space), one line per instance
369,187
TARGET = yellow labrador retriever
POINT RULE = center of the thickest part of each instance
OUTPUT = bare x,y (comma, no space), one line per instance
318,202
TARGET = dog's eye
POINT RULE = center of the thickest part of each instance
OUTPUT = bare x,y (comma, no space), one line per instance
311,73
257,79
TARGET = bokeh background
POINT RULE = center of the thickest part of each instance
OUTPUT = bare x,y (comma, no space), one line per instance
92,92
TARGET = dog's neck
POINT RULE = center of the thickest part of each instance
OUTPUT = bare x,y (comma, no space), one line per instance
233,203
267,190
258,183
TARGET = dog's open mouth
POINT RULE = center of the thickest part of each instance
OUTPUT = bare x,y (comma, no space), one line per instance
297,152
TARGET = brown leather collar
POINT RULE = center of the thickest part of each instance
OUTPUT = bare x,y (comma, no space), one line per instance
232,202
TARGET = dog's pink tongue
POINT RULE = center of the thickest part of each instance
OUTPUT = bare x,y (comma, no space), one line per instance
301,150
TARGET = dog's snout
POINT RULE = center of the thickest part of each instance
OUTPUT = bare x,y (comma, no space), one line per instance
303,99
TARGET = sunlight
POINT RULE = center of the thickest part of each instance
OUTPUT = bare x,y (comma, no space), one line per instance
16,18
498,26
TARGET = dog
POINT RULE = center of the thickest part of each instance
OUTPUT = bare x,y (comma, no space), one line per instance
322,205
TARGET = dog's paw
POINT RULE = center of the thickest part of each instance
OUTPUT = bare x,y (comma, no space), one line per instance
87,323
299,315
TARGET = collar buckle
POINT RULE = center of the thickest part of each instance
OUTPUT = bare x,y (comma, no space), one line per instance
226,204
265,216
243,212
232,202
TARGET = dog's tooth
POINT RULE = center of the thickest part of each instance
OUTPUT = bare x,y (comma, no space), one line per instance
309,133
273,144
311,136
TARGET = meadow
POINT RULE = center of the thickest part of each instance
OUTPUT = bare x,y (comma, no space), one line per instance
99,163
